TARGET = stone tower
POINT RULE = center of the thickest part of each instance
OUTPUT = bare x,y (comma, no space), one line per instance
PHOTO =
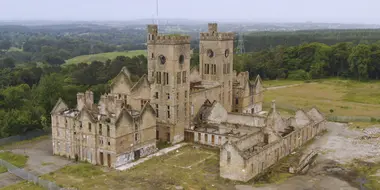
216,61
168,70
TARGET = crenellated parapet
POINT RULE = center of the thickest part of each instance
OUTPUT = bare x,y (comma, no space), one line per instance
217,36
167,39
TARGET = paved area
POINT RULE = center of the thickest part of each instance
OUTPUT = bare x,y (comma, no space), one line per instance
8,179
159,153
41,161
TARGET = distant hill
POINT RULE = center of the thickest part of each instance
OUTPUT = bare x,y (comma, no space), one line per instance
103,56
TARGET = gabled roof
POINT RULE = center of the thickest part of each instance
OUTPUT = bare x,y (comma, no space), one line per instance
60,104
123,73
257,80
147,107
140,83
312,115
86,110
124,112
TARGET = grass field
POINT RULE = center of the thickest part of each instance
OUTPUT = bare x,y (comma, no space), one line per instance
190,168
15,159
103,56
333,96
3,169
23,186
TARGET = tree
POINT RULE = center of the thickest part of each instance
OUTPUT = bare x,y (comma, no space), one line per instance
7,63
359,60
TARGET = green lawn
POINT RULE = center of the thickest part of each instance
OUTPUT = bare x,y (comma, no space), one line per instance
103,56
25,185
15,159
3,169
14,49
193,169
332,96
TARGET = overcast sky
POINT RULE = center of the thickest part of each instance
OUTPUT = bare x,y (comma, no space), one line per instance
347,11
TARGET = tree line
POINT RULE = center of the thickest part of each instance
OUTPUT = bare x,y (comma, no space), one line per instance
28,94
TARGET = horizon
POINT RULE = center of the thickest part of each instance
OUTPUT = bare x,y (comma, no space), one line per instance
294,11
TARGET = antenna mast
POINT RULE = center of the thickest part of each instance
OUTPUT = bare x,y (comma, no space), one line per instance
157,12
240,47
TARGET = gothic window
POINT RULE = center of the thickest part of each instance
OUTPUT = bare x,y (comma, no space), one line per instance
156,110
168,112
227,53
184,77
181,59
162,59
178,77
185,110
158,78
210,53
108,130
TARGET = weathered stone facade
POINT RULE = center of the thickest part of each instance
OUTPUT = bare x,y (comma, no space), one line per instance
117,130
250,155
210,104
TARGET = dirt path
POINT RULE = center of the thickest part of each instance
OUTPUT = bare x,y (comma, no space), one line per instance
339,145
279,87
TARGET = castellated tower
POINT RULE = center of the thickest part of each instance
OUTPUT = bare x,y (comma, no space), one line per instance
216,61
168,70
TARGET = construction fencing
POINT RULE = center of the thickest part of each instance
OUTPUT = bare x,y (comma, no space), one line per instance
28,176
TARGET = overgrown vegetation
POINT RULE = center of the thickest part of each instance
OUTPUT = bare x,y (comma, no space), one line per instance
188,167
363,174
15,159
25,185
333,97
3,169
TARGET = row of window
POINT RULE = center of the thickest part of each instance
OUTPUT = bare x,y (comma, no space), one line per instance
163,77
168,95
168,113
211,69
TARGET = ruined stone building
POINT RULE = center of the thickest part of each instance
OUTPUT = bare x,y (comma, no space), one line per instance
244,158
209,104
117,130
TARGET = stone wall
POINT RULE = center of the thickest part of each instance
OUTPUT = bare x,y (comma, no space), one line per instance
267,156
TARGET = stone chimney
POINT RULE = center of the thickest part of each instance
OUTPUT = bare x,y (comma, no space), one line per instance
274,105
89,99
102,104
80,101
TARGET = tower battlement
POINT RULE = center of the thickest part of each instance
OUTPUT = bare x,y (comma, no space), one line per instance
168,39
152,29
217,36
212,27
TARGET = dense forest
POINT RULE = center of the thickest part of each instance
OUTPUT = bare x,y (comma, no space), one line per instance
32,77
57,44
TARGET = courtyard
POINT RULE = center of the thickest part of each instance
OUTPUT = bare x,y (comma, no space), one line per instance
190,167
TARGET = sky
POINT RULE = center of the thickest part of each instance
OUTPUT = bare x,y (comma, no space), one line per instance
343,11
